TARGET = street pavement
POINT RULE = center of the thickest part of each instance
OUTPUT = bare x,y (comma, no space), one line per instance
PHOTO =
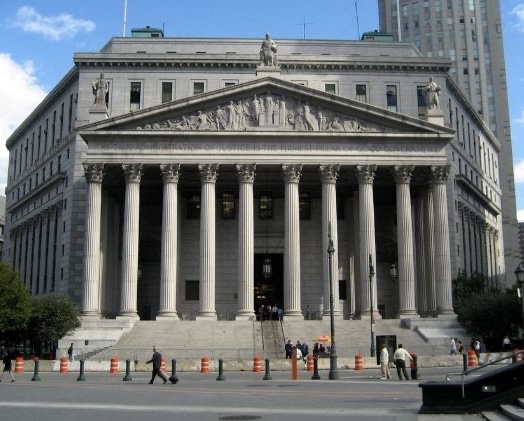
357,395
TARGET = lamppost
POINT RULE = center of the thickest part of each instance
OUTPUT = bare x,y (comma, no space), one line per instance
333,372
519,273
371,274
393,272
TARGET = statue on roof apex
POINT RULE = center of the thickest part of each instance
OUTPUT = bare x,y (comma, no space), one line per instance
432,95
268,52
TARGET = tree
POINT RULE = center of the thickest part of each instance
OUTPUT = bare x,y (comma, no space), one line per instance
15,303
53,317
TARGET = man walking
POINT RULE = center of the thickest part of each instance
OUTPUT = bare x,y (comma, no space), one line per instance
400,361
384,363
8,365
157,361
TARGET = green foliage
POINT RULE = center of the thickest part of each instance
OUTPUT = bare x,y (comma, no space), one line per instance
464,286
15,303
53,316
491,313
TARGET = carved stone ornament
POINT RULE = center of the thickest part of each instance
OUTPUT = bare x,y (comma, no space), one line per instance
93,172
170,172
267,112
246,172
208,173
329,173
366,173
133,172
292,172
439,174
402,173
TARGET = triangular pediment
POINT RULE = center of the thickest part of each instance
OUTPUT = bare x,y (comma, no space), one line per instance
266,104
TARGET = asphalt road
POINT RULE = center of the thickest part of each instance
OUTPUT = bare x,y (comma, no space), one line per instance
357,395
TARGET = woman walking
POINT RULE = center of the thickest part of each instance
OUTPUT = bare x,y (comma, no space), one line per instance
8,366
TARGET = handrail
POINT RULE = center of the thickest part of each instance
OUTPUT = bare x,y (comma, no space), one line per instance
464,373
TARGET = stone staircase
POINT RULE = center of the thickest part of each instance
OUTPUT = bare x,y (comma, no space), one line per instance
506,412
273,339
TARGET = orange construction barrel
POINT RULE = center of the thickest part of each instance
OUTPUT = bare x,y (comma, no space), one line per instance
310,363
359,362
19,365
113,368
472,359
204,365
64,365
257,364
163,364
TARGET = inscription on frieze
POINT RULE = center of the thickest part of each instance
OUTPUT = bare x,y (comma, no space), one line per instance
265,112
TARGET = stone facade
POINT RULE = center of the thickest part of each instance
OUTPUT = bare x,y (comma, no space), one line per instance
205,162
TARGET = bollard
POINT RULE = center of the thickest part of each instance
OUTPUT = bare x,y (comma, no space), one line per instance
414,367
310,365
359,362
113,368
315,375
204,365
267,376
36,377
294,366
81,377
464,362
64,365
173,379
220,377
127,377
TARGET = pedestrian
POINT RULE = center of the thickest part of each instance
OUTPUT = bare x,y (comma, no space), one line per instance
453,347
3,352
274,312
71,353
384,363
308,313
8,366
460,347
288,347
476,347
506,344
261,312
400,361
157,361
305,350
280,313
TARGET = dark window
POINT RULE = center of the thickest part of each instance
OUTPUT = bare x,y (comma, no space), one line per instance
198,88
62,120
54,129
391,95
167,91
70,113
330,88
193,206
228,205
192,291
226,84
342,294
361,93
421,100
304,206
265,206
134,97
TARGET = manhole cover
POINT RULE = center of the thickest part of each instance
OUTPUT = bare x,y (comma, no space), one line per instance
240,417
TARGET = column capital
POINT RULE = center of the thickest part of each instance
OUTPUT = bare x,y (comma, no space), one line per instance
366,173
93,172
439,174
402,173
208,173
292,172
329,173
133,172
170,172
246,172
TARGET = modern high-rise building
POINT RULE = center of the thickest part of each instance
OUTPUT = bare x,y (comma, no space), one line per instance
469,32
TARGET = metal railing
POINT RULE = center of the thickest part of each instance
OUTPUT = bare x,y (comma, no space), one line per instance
513,356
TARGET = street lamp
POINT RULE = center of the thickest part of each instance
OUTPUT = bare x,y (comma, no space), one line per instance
519,273
393,272
371,274
333,372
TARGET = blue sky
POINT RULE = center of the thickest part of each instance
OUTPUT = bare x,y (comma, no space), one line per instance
39,37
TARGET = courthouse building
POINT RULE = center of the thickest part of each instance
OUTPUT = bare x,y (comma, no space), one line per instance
201,178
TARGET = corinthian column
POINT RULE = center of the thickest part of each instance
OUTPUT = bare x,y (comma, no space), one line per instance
406,265
91,281
328,176
168,267
292,242
429,260
442,253
208,178
128,298
246,248
365,176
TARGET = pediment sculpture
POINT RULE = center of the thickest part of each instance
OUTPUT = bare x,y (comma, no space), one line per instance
265,112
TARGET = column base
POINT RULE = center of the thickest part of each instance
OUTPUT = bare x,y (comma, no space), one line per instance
448,314
293,314
167,315
128,315
408,314
337,315
249,315
90,315
206,315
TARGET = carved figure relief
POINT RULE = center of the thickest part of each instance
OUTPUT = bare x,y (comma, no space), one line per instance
268,111
268,52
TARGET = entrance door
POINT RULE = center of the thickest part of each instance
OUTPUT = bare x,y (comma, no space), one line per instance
269,291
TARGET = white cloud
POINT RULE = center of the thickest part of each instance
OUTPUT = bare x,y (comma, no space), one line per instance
19,97
520,120
518,169
52,27
518,11
520,215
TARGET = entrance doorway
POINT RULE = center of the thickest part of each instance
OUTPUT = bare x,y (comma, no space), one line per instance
270,290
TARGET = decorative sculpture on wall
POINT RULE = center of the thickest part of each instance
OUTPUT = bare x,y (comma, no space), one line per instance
268,111
268,52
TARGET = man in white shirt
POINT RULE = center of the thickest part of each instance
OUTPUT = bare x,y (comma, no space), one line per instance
400,361
384,363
